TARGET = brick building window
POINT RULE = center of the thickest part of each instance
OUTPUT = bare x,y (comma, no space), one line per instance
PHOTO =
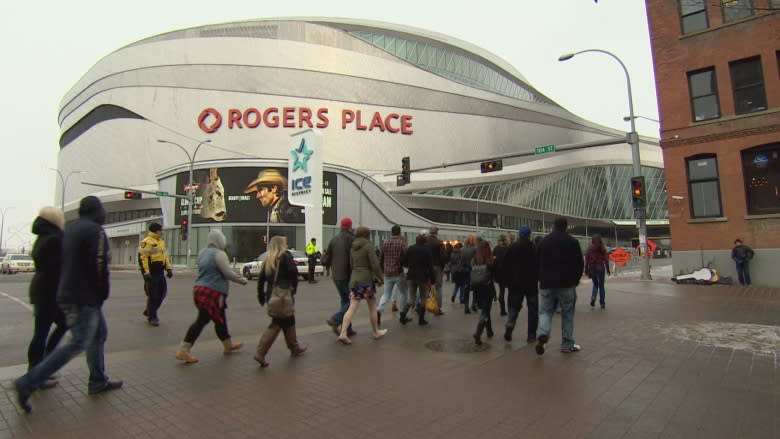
693,14
736,9
747,81
761,168
704,94
704,186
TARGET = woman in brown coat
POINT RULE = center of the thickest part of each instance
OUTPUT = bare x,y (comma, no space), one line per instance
365,277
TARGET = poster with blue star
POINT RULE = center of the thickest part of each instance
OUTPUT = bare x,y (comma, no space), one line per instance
305,169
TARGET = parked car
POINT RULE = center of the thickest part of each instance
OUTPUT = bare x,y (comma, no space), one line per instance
252,269
14,263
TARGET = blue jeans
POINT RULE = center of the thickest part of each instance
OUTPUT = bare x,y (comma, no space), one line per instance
566,297
743,273
598,285
515,302
343,288
393,285
89,332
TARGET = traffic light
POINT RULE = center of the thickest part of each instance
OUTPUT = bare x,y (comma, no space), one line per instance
491,166
184,229
406,170
132,195
638,196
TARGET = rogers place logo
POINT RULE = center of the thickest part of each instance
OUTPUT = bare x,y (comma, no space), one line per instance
209,120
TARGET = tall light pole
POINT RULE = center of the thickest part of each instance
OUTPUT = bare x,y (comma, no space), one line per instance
632,138
2,225
190,192
64,182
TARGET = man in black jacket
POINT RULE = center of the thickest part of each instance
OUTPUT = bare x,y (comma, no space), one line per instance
337,259
521,270
560,270
83,289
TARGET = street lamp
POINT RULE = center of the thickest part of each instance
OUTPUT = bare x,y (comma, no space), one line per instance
627,118
2,225
64,182
190,192
632,138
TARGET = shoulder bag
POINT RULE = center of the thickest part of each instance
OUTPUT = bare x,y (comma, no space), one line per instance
281,304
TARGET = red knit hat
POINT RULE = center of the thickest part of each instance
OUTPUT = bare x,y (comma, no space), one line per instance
346,223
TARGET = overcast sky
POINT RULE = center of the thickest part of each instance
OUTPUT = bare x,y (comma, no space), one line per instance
48,45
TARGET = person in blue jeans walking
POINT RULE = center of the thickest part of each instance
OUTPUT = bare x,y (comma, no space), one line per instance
596,267
560,269
391,252
336,259
83,288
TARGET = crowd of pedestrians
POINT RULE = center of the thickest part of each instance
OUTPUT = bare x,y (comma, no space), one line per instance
72,283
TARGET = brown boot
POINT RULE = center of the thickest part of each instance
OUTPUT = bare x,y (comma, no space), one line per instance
266,340
228,347
292,342
183,353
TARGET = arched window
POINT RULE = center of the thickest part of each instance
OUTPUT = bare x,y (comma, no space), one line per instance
761,168
704,186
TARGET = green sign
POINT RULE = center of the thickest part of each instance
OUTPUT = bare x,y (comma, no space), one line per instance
161,194
544,149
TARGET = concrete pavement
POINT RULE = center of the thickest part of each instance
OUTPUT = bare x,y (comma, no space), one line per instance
662,360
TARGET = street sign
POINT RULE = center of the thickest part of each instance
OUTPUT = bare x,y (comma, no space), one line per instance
544,149
161,193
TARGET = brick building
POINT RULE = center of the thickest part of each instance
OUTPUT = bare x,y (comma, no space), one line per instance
716,71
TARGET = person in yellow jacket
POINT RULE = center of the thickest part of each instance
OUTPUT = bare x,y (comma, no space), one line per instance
313,254
154,266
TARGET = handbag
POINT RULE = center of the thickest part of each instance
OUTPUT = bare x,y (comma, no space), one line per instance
431,305
281,304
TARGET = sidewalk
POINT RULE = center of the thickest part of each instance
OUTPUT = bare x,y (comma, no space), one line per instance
662,360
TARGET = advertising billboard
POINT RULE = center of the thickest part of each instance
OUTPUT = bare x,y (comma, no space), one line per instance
247,195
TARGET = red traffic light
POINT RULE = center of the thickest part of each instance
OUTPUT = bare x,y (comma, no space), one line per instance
491,166
132,195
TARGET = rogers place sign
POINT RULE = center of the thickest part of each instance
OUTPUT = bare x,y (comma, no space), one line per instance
210,119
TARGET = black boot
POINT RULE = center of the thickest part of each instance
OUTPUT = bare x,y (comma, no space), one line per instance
503,306
489,327
508,332
421,312
478,334
378,319
404,320
467,309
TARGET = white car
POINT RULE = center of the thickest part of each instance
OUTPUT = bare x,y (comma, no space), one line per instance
252,269
14,263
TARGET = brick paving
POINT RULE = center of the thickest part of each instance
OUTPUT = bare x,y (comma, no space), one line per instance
644,372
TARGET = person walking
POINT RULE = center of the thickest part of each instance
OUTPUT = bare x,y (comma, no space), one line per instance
596,266
84,286
459,274
210,296
742,254
437,252
390,254
279,270
366,275
337,261
155,266
419,278
501,274
466,255
312,253
560,270
523,270
483,270
47,255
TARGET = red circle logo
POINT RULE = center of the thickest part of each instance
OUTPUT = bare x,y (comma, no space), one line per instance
209,115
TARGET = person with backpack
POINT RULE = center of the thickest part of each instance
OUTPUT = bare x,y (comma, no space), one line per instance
464,264
481,281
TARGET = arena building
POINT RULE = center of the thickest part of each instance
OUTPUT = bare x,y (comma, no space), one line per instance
224,99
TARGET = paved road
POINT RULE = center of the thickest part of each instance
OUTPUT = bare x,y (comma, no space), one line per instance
662,360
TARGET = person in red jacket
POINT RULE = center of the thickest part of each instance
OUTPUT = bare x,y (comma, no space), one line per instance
596,266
